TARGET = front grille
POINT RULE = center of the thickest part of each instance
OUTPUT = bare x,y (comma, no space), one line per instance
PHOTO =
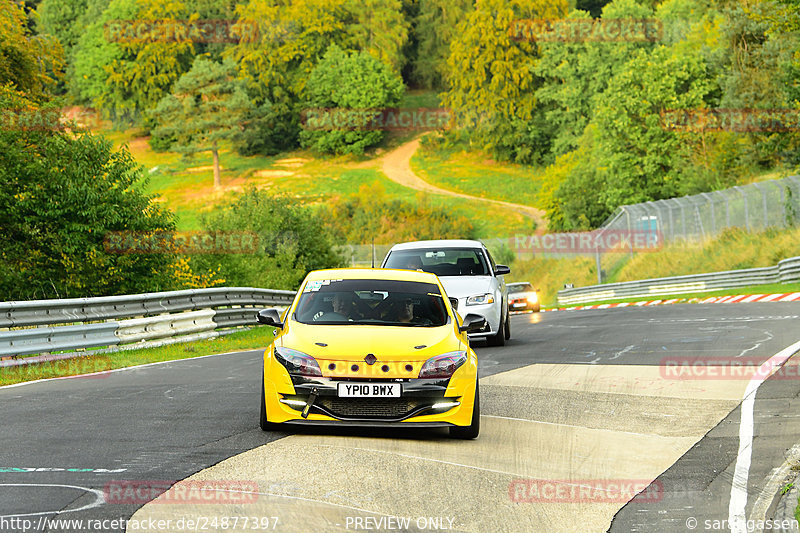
372,407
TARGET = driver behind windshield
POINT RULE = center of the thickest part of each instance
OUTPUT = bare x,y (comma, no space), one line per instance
344,304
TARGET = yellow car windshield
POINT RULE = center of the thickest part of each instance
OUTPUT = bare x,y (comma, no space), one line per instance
371,302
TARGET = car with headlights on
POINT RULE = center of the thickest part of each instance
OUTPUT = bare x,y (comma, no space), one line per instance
371,347
468,273
522,296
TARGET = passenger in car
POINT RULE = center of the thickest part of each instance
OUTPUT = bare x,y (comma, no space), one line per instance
414,262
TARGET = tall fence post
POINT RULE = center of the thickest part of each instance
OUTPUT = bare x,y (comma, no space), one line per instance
746,209
779,185
710,201
764,202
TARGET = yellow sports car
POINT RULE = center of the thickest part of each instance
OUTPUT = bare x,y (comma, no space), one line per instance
371,347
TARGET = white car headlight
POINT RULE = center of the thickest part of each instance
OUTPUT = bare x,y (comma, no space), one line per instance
533,298
480,299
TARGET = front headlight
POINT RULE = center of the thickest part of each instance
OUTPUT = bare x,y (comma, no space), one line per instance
296,362
533,298
443,366
480,299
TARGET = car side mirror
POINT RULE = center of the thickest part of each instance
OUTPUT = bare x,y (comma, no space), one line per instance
269,317
454,303
501,270
472,323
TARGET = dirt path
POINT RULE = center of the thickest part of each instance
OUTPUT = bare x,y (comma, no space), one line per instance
397,167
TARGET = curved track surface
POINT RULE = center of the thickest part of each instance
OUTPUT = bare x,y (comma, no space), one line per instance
580,412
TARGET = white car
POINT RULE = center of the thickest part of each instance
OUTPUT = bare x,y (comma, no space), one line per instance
468,273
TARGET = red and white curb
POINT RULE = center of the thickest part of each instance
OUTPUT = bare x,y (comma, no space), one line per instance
739,298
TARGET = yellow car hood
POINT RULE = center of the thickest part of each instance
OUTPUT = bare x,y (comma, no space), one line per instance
352,343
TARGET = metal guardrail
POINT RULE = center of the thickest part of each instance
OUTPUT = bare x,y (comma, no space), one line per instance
93,322
75,310
164,326
786,271
49,339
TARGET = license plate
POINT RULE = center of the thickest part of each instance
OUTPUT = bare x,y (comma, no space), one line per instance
519,304
369,390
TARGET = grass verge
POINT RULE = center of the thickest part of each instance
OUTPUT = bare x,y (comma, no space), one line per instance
733,249
474,173
253,339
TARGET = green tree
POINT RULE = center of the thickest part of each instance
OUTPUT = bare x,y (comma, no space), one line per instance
577,73
293,35
275,62
380,29
61,193
643,158
436,27
60,18
347,82
491,76
763,65
291,241
205,108
29,63
572,192
122,73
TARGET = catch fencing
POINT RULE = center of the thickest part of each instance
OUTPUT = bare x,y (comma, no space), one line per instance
753,207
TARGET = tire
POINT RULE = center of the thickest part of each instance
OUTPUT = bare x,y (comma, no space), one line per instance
471,431
507,329
499,338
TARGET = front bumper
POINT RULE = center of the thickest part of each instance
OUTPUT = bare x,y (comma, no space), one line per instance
522,304
491,312
287,400
418,398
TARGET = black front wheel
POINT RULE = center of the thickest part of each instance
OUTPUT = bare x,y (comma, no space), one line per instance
499,338
471,431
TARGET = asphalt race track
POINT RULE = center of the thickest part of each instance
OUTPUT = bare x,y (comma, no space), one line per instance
581,411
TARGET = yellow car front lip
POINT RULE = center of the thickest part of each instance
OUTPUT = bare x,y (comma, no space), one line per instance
415,404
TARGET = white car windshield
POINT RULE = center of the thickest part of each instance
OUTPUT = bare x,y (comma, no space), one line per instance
441,261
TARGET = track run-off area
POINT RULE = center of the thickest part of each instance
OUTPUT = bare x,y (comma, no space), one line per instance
581,411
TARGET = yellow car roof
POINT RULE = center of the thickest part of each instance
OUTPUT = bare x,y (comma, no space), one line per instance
372,273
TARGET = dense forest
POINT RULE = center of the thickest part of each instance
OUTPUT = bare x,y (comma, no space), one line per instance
621,102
